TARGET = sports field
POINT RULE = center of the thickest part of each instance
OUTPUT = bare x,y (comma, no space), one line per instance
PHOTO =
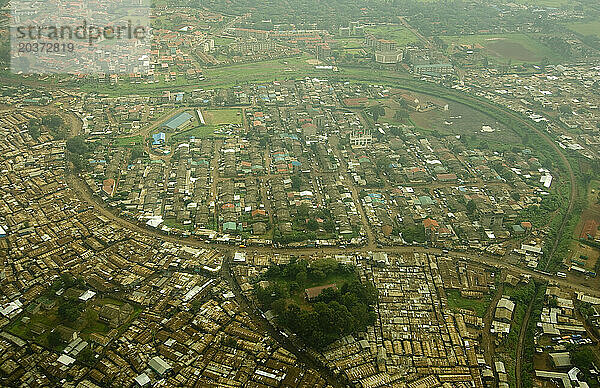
201,132
399,34
222,116
517,47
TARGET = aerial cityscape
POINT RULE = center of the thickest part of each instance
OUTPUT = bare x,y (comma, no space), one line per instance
363,193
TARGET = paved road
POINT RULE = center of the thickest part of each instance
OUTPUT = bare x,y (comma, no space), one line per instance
415,32
355,197
83,192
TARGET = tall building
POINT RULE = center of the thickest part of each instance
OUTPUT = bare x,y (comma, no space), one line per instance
360,138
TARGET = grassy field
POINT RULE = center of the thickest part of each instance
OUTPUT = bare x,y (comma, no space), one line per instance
520,48
256,72
587,28
172,223
222,116
216,77
544,3
349,43
129,141
201,132
456,302
219,41
338,279
399,34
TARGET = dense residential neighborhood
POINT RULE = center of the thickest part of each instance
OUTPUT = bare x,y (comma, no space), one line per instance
306,194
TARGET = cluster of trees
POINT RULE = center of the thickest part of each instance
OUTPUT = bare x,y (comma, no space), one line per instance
332,315
584,358
471,207
375,111
305,225
54,339
69,311
298,274
77,145
414,233
336,313
295,236
77,148
529,345
562,227
306,213
53,123
538,215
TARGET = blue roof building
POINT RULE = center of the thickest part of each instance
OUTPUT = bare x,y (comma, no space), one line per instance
158,139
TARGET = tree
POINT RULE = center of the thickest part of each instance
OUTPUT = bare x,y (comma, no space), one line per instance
471,207
54,339
87,356
303,211
68,311
278,306
583,358
414,233
376,111
136,153
33,128
53,122
318,274
77,145
67,279
565,109
301,278
296,182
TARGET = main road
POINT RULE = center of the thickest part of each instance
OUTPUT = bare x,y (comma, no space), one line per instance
83,192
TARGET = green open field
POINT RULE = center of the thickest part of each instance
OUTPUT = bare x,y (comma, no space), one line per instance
216,77
586,28
257,72
129,141
220,41
545,3
222,116
87,323
201,132
337,278
517,47
457,302
349,43
399,34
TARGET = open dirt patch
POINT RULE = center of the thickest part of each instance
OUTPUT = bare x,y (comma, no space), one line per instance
514,50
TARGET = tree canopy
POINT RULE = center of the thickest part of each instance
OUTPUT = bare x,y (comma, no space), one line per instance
331,315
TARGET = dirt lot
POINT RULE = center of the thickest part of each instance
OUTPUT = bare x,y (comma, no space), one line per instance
457,120
505,48
587,226
591,253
